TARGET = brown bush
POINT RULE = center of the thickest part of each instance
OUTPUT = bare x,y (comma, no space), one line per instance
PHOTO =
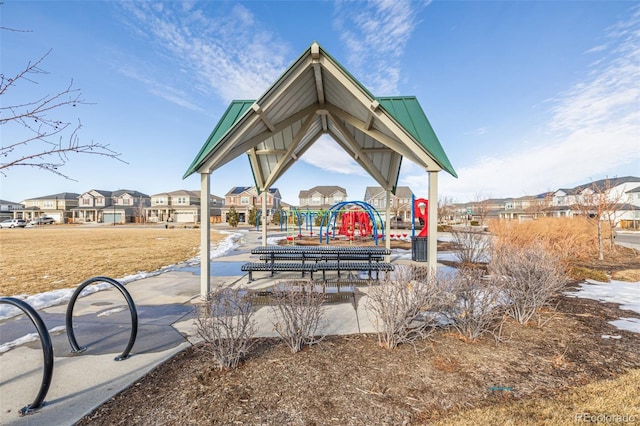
226,324
298,310
530,277
403,304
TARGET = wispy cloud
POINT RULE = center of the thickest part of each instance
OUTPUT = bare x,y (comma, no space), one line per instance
226,51
376,34
594,130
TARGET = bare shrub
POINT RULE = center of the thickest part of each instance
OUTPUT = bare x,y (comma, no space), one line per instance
226,324
471,247
298,313
404,304
479,303
530,275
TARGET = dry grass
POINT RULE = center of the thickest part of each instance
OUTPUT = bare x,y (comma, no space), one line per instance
616,397
34,260
631,275
573,238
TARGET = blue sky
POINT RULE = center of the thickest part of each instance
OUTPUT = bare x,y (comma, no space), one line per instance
524,96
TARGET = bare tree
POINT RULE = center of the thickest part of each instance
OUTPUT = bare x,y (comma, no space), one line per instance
139,210
471,247
600,204
445,209
227,326
538,205
46,142
481,207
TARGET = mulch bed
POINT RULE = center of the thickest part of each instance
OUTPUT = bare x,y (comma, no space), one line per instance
351,380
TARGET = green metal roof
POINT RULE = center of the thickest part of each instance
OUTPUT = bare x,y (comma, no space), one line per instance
229,118
408,112
405,111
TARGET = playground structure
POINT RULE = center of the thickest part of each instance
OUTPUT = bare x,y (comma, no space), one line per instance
361,221
420,211
352,219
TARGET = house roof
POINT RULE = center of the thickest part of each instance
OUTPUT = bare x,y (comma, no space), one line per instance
59,196
373,191
121,192
325,190
317,96
236,190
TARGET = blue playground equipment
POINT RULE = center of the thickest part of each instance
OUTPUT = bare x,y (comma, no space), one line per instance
332,214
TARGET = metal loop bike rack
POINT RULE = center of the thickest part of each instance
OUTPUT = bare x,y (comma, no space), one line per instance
47,350
75,348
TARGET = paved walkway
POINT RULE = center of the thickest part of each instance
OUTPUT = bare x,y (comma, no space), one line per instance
102,323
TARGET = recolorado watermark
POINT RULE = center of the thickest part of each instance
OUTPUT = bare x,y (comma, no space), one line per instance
605,418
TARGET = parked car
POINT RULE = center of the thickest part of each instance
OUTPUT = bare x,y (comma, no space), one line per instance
13,223
44,220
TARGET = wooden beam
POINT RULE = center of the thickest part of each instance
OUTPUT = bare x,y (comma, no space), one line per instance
374,106
263,116
420,157
257,167
361,157
290,151
317,72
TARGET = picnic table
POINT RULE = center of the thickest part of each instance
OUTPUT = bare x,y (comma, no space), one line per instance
318,259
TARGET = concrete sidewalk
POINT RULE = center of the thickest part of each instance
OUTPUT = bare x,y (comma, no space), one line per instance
102,322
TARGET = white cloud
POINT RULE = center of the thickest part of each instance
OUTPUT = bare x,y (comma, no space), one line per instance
229,55
594,131
376,35
327,155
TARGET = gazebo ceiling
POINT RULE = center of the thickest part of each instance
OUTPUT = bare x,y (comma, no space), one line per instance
317,96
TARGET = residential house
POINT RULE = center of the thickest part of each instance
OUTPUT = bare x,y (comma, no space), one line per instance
623,192
321,198
121,206
244,198
400,202
58,206
181,206
126,206
7,208
525,208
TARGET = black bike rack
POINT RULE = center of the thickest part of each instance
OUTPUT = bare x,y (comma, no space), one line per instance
75,348
47,350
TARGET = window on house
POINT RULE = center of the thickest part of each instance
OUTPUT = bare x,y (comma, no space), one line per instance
86,201
48,204
244,200
316,201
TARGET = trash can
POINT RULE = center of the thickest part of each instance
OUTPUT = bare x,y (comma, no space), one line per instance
419,249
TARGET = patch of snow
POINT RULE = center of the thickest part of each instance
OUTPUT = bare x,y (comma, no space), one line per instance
629,324
112,311
273,241
31,337
625,294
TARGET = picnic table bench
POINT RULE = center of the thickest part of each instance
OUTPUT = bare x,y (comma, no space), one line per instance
323,258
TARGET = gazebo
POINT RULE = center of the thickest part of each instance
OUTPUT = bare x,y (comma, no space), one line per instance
316,95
